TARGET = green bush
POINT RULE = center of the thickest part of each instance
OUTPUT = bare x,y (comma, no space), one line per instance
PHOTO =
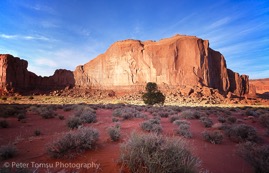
257,156
151,153
72,143
214,137
7,151
153,95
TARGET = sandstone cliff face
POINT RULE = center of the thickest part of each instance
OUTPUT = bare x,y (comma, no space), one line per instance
180,60
15,76
172,63
261,85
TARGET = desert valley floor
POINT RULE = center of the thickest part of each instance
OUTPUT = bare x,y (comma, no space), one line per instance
33,127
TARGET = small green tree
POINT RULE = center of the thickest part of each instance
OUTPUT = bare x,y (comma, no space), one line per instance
153,95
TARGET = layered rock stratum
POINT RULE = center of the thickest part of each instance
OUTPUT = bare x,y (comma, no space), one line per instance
178,62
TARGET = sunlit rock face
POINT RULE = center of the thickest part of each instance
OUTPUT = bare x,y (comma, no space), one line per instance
15,76
176,61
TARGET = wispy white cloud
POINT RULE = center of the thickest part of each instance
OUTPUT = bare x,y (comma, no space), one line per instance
48,24
40,70
46,62
258,74
219,23
25,37
8,36
39,7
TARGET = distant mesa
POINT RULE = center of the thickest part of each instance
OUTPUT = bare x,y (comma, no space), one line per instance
128,65
14,77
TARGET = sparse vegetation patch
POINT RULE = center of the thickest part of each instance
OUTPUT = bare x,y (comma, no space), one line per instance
214,137
72,143
257,156
152,125
153,153
7,151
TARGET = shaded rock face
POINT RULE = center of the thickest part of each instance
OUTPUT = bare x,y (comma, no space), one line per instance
15,76
176,61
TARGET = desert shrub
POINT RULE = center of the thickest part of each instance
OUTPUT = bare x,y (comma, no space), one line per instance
37,132
67,108
152,125
173,118
4,124
175,108
88,117
46,112
61,117
179,122
7,151
221,119
163,114
115,119
184,130
4,98
11,110
207,122
214,137
80,109
74,122
242,133
251,113
190,114
257,156
73,142
162,111
114,132
231,119
226,112
21,116
264,120
157,154
153,95
127,113
233,109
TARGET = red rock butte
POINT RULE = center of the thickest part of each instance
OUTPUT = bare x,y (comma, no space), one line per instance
130,64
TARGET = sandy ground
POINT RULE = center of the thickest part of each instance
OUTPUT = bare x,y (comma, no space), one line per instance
32,149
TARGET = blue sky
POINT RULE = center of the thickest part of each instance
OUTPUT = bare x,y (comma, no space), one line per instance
52,34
